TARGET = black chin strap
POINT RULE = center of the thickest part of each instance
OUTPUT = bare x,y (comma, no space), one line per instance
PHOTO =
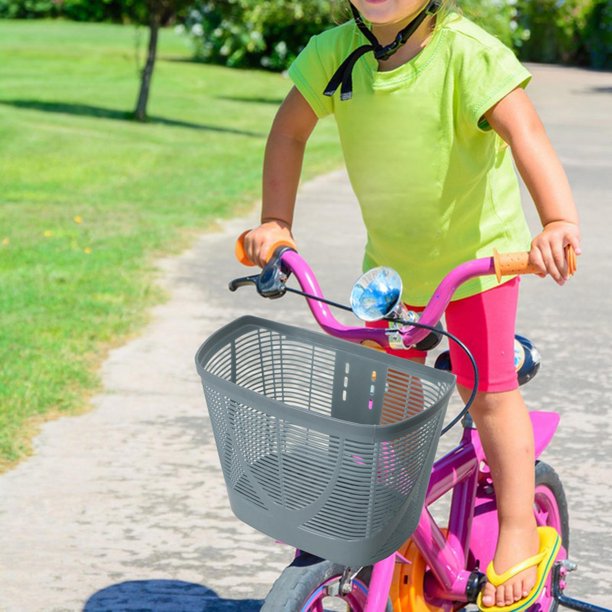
343,75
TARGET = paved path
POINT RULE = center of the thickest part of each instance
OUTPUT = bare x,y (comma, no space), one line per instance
124,508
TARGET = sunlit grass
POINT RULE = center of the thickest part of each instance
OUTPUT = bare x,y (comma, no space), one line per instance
89,197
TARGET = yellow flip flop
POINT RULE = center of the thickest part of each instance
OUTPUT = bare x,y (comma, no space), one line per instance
550,542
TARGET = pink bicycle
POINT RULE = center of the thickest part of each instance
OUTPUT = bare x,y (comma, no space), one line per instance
329,446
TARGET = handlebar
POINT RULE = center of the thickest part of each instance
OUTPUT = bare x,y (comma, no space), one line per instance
283,256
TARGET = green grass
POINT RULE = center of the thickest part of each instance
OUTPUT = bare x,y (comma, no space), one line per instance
88,198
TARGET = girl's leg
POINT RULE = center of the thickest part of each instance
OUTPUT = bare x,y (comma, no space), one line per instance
485,322
507,438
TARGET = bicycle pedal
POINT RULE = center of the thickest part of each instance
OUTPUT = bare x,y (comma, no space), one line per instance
568,566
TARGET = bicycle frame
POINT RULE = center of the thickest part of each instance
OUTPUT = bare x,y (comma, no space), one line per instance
470,539
463,470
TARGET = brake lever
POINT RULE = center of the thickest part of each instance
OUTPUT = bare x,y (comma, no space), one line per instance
270,282
242,282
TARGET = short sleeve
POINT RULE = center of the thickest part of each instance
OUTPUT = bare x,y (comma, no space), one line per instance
309,75
488,74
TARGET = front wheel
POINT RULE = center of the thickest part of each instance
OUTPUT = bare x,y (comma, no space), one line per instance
304,587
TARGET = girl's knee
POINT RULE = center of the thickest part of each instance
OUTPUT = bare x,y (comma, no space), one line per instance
495,403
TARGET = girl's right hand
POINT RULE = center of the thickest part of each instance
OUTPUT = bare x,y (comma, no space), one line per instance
548,249
259,241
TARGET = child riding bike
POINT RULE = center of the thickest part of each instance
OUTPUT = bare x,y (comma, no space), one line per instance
431,110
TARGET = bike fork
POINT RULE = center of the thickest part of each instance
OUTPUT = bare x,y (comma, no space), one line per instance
380,585
559,572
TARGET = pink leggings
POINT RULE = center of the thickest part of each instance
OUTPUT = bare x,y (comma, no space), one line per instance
485,323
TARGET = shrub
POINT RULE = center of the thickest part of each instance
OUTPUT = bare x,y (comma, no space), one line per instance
28,9
251,33
555,28
598,34
77,10
499,17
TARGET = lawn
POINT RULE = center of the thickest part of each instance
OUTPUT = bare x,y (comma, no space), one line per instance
89,198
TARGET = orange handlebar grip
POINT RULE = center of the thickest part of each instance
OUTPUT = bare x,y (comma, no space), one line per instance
507,264
239,251
572,264
279,243
243,258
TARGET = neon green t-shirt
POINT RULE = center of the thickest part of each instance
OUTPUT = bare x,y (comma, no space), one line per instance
435,184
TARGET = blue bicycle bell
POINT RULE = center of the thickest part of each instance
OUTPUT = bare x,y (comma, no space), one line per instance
377,294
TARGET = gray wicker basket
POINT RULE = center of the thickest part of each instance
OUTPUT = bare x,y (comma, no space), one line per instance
324,444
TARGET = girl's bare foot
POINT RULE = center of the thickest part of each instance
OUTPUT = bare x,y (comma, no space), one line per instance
513,546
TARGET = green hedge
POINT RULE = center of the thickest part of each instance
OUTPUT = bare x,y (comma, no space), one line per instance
249,33
568,31
269,34
77,10
597,34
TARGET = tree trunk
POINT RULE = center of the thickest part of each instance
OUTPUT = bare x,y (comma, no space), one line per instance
147,72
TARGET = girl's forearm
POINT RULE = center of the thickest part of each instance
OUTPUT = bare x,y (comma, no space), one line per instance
544,176
515,119
290,131
281,176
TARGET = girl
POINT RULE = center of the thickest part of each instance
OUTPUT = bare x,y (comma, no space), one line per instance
431,110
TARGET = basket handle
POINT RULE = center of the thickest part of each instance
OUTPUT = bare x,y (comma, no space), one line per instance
507,264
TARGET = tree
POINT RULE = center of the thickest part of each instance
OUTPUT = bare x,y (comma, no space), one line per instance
155,13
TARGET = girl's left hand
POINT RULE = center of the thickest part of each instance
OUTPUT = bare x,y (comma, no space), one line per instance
548,249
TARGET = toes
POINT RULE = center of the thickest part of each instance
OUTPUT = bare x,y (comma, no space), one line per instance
500,596
509,594
488,595
526,586
506,594
518,590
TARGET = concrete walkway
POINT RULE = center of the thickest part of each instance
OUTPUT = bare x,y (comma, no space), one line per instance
124,508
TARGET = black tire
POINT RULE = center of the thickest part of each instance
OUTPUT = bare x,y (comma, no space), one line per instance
299,580
546,477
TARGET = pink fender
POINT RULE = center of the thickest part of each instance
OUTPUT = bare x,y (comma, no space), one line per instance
544,426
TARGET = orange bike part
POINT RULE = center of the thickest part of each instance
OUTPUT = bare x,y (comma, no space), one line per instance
407,593
243,258
507,264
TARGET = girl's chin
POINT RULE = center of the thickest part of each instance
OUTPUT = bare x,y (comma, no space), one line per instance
379,8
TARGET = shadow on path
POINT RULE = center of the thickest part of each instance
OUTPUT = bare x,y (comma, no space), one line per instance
252,99
603,90
164,596
85,110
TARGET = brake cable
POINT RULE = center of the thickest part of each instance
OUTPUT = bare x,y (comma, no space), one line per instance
436,330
